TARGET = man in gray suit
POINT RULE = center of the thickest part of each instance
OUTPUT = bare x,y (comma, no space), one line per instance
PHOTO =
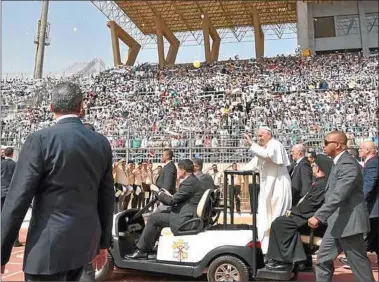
205,179
345,212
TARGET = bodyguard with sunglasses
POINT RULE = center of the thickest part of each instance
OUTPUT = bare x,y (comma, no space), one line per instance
345,212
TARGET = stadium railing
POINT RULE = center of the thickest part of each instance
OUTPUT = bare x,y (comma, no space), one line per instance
229,150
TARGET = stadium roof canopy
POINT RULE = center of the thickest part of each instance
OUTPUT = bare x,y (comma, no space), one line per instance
233,18
182,16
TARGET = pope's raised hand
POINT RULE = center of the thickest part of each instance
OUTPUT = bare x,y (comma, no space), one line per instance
248,140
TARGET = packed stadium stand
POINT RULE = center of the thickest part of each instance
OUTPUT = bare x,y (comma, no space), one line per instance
204,111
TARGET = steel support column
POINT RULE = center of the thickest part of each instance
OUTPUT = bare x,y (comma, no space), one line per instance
258,35
211,55
118,33
164,31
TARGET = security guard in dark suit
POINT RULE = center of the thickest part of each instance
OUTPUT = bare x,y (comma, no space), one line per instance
8,166
67,169
167,178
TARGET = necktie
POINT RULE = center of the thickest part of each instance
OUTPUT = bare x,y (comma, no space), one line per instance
293,171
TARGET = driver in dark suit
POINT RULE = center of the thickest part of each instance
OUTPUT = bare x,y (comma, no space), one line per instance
183,208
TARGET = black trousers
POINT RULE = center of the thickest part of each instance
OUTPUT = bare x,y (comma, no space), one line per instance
138,200
150,233
71,275
251,190
372,238
237,194
124,202
146,188
285,242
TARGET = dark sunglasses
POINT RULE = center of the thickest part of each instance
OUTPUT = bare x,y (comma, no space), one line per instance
326,142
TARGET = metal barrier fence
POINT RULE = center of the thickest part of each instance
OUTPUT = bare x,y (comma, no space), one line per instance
223,156
213,147
209,155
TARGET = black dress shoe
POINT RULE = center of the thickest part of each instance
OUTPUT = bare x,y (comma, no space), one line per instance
270,261
306,266
279,266
137,255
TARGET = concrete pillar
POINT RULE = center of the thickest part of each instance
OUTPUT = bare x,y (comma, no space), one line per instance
258,35
209,31
163,31
160,45
118,33
363,28
302,25
311,29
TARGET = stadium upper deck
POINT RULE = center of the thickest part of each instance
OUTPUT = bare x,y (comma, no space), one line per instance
319,24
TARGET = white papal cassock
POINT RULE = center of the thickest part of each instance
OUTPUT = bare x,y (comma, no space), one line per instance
275,196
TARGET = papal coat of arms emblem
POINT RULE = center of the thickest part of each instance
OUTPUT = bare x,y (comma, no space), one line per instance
180,250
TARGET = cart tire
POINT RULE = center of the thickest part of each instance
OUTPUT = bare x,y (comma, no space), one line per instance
105,273
228,268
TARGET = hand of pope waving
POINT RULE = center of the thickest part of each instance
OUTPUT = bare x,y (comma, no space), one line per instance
247,139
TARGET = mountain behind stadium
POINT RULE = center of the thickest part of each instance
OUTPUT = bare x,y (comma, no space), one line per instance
84,69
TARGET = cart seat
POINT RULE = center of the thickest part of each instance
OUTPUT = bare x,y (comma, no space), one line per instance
202,213
312,237
306,239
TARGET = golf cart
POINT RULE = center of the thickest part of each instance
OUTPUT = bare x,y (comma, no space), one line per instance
225,252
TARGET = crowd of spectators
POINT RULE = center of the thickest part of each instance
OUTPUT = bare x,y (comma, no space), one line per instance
212,106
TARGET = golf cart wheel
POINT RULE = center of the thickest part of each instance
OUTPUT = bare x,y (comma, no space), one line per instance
107,270
227,268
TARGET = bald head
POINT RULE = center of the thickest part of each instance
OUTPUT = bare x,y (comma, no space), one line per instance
367,150
338,136
298,151
335,143
369,145
299,147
